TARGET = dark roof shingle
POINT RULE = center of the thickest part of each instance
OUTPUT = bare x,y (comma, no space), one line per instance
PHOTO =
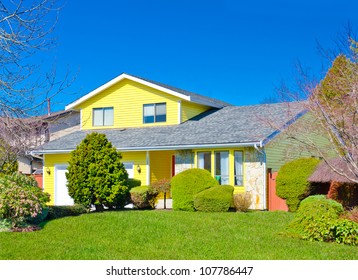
229,125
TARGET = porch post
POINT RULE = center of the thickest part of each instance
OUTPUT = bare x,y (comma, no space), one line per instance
148,168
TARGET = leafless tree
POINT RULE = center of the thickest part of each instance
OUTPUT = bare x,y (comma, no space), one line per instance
26,31
332,104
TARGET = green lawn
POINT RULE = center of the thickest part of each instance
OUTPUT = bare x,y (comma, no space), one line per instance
168,235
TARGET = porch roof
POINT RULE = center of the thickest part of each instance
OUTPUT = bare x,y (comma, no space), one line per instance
230,126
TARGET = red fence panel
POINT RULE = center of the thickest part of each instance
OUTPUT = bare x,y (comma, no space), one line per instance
275,202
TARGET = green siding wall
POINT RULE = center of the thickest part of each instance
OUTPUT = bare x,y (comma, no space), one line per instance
284,148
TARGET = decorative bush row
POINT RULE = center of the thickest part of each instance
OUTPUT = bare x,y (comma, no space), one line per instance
187,184
143,197
318,218
214,199
56,212
291,182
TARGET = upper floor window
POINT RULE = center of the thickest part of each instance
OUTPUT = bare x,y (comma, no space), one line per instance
153,113
103,116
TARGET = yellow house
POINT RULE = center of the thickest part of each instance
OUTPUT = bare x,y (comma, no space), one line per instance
161,131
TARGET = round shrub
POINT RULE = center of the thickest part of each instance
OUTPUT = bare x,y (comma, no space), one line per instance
291,182
215,199
143,197
314,218
187,184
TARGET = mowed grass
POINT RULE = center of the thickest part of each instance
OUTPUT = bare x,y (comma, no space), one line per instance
168,235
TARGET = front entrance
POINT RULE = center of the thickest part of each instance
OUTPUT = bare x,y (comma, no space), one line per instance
61,191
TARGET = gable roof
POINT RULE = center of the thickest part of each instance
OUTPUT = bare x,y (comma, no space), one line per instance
231,126
183,94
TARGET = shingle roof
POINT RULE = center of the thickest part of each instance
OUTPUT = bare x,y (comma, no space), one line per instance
230,125
194,96
186,95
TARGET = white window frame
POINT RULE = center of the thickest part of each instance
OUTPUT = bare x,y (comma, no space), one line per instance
155,115
104,116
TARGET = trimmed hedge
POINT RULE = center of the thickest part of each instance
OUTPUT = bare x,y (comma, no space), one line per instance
187,184
215,199
56,212
132,183
143,197
318,218
291,182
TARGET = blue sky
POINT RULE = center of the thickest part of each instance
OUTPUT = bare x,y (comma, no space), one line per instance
236,51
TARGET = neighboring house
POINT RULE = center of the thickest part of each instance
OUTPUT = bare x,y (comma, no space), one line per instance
325,181
161,131
47,128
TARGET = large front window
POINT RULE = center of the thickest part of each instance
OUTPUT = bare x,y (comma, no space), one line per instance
222,167
153,113
103,116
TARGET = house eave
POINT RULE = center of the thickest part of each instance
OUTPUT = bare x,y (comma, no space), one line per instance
118,79
162,148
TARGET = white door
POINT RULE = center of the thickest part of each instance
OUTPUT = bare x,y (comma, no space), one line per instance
61,192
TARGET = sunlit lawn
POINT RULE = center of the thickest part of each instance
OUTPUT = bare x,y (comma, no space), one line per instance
168,235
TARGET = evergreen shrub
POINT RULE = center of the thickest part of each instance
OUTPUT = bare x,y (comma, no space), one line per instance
291,181
143,197
215,199
96,176
187,184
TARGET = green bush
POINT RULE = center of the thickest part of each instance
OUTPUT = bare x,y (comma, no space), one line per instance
318,219
96,176
187,184
21,199
345,231
132,183
242,201
215,199
56,212
291,182
143,197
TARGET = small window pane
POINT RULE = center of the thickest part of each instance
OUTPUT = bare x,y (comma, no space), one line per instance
148,113
238,168
222,167
97,117
204,160
108,116
160,112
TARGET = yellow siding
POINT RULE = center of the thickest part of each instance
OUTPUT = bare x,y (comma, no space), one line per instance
127,98
160,165
138,158
49,179
190,110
